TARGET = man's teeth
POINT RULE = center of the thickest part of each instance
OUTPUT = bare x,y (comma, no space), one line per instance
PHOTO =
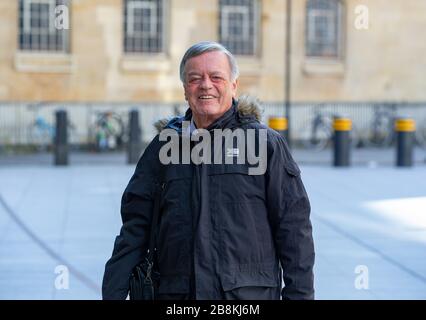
206,97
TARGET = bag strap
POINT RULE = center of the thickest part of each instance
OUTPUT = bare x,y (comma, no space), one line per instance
154,223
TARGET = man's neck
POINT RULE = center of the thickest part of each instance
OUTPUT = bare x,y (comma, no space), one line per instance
203,122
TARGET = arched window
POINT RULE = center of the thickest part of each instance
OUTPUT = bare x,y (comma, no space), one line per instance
324,28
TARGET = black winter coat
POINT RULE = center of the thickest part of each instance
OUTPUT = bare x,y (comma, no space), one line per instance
221,229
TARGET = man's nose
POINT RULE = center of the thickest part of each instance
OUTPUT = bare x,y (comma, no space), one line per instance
206,83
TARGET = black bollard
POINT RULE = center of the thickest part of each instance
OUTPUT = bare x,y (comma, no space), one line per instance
134,147
342,131
61,139
280,125
405,129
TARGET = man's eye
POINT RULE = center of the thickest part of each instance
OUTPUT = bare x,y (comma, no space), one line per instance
194,80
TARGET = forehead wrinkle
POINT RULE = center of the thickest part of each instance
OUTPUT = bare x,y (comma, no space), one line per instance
209,62
198,73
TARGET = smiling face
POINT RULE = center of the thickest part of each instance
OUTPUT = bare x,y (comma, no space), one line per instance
209,88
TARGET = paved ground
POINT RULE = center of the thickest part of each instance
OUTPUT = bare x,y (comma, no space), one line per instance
369,225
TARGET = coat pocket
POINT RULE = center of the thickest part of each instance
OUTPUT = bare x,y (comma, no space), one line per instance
255,275
233,183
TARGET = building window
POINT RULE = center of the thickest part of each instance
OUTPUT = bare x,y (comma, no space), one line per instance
37,29
144,26
324,28
238,26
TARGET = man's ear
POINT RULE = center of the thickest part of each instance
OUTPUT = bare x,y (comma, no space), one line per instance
184,93
234,88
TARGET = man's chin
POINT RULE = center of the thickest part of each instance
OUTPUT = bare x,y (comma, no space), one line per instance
208,109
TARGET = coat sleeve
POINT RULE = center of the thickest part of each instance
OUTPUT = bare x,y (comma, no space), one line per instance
289,214
136,214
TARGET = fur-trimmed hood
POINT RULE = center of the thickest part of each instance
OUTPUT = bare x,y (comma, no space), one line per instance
248,107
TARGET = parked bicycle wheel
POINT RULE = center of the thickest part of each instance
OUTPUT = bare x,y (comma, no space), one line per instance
355,136
420,135
382,127
73,138
316,135
41,134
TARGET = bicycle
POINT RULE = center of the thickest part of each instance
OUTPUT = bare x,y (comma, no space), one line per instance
317,133
382,133
42,134
420,136
108,131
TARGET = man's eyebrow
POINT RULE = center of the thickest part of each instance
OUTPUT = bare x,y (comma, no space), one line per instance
217,73
193,73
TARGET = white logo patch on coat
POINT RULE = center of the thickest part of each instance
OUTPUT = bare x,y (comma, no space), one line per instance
232,152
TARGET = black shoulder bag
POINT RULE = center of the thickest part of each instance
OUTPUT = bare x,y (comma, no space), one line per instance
144,279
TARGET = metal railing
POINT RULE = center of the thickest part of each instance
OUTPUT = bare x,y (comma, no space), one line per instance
372,122
33,123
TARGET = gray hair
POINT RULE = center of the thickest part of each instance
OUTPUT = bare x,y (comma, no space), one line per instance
208,46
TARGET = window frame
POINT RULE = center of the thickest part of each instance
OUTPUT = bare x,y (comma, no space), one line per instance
26,32
131,6
27,16
228,9
339,34
130,34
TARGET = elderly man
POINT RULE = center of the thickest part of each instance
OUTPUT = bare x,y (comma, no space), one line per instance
223,233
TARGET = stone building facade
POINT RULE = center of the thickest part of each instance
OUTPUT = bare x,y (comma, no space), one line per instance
129,50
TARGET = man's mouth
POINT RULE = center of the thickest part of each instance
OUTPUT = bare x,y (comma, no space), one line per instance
206,97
